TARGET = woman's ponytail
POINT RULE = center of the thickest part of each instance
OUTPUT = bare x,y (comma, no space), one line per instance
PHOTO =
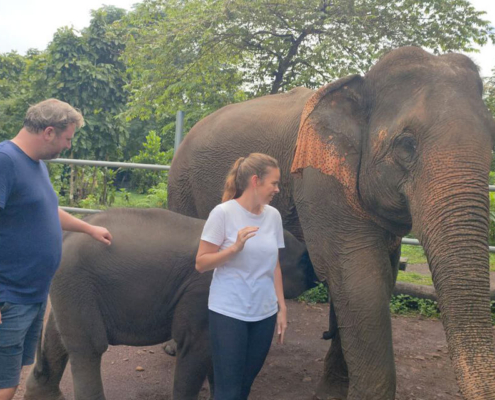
230,190
240,173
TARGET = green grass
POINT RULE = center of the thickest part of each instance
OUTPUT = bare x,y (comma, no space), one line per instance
130,199
413,277
155,199
416,255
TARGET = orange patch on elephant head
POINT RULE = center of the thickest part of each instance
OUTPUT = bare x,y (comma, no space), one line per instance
313,151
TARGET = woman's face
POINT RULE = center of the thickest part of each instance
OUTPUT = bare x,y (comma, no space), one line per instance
268,187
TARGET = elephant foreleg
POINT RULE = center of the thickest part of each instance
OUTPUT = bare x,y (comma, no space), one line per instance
361,301
334,383
86,373
193,355
51,360
192,367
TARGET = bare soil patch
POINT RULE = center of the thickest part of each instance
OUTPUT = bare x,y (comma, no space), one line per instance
292,370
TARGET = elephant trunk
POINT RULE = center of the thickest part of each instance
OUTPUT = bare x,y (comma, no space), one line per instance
450,217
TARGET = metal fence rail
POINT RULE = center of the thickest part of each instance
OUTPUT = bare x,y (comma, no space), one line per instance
77,210
109,164
413,242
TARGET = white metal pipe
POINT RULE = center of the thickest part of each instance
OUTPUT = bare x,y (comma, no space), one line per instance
109,164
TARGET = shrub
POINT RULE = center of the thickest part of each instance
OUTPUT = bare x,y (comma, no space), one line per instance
318,294
401,304
143,179
158,195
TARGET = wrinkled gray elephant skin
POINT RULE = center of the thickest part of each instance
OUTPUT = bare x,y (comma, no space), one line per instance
140,291
364,161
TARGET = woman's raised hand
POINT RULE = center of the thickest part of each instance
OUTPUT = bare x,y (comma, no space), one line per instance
243,235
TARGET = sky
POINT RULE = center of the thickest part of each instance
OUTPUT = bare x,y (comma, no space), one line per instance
26,24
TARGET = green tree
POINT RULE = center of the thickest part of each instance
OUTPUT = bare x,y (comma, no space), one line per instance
85,70
11,68
201,54
17,74
160,56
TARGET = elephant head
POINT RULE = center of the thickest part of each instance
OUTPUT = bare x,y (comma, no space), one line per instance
405,148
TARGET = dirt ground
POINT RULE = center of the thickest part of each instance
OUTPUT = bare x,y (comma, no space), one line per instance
292,370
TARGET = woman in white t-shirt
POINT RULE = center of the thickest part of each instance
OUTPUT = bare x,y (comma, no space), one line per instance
240,241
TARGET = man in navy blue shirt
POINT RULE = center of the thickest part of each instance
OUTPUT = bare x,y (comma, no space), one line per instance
31,225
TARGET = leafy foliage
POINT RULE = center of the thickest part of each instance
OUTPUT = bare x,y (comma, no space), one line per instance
11,68
489,94
85,70
94,186
130,73
142,179
405,304
318,294
201,54
17,78
103,191
158,195
401,304
164,75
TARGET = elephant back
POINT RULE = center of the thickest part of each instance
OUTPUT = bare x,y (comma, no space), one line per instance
267,125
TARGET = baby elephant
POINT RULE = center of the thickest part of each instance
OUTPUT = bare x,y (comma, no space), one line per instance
140,291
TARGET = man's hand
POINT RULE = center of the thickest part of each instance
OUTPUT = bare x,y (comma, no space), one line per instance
101,234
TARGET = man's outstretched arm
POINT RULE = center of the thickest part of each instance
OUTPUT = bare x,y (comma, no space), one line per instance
70,223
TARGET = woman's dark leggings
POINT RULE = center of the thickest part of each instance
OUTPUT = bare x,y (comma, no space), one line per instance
239,350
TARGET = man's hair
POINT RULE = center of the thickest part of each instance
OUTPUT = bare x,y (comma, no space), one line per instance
52,112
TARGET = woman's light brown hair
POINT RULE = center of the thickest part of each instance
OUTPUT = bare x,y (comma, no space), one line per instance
242,170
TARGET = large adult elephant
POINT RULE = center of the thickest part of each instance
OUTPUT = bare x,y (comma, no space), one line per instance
366,160
141,290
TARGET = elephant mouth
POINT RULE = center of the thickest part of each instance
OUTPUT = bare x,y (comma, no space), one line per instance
400,225
393,214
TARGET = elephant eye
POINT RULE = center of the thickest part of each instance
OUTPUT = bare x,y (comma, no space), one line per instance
405,147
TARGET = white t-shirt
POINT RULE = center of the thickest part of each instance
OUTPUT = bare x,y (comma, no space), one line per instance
243,287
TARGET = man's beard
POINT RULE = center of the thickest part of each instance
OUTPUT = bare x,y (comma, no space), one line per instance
51,156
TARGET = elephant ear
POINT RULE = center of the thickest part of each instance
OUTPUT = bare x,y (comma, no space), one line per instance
330,132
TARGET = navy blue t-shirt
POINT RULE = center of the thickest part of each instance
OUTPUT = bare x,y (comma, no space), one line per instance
30,230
